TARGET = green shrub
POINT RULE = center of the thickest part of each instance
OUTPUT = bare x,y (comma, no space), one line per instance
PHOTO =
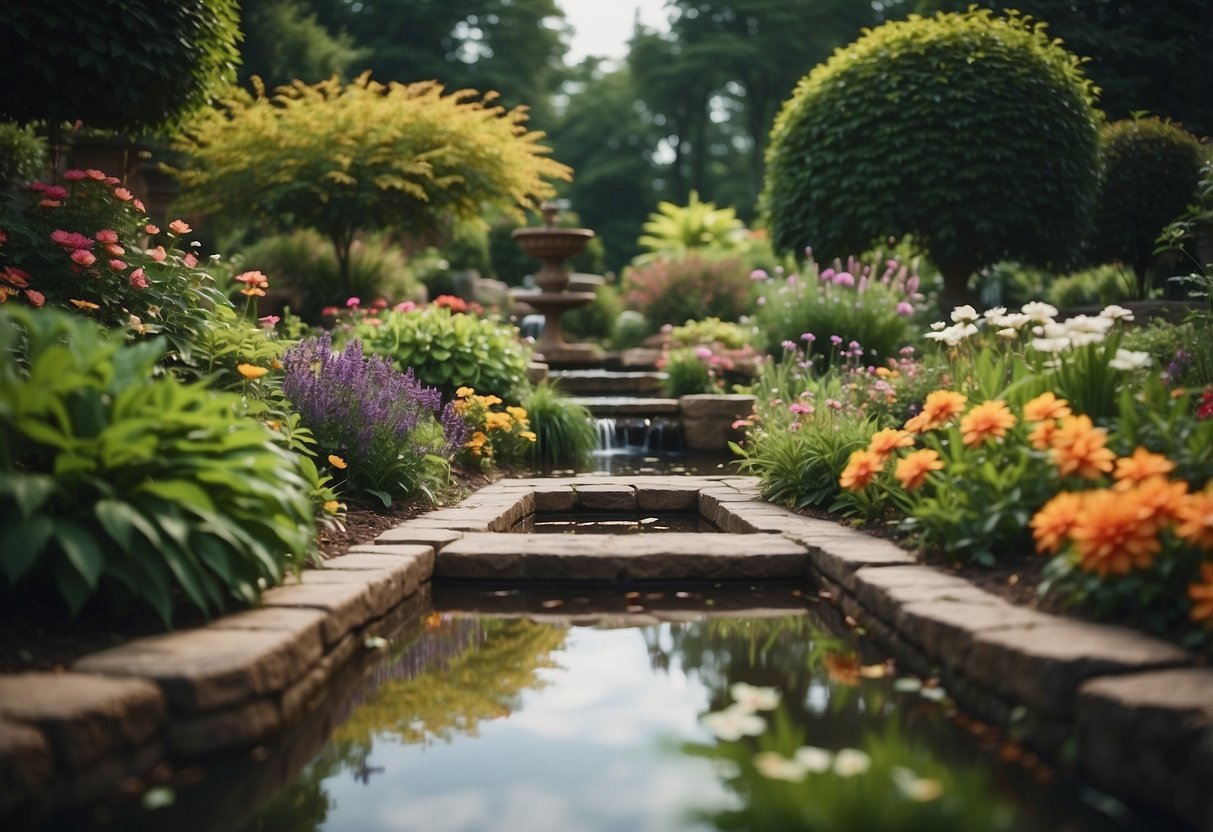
135,488
1099,286
631,328
673,291
688,372
595,321
450,350
673,231
1151,172
304,270
564,429
713,331
976,134
22,155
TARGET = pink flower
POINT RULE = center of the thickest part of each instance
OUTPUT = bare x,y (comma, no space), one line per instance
117,265
403,306
70,239
123,194
139,279
844,279
905,309
93,173
55,192
112,180
703,353
49,203
138,203
82,257
759,274
3,237
15,277
106,235
35,297
189,260
115,249
151,229
37,187
353,303
158,254
269,321
799,408
179,227
74,175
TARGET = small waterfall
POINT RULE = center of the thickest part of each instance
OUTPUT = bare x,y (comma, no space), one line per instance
606,429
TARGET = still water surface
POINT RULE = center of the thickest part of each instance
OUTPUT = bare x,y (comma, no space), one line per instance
500,723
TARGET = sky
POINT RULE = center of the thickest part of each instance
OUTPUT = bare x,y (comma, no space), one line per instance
602,27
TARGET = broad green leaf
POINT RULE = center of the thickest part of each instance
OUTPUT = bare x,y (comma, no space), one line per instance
22,542
81,551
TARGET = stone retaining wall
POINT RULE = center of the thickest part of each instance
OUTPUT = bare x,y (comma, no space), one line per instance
1140,710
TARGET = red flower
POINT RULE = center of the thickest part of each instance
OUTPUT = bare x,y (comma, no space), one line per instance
74,175
35,297
1205,411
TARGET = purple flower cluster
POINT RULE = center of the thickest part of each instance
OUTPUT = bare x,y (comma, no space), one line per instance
361,407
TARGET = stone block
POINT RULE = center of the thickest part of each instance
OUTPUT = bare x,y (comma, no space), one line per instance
707,420
666,498
944,629
555,499
884,590
224,730
606,497
348,605
1043,666
25,770
84,717
385,587
840,556
404,535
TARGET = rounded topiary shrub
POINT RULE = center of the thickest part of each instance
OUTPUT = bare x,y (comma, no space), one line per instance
975,133
1151,172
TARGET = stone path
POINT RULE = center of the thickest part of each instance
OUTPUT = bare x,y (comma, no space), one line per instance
1140,709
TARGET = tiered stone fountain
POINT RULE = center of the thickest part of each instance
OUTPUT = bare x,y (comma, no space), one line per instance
553,246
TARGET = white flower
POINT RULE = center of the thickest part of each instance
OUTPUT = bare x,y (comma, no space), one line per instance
1008,333
1116,313
918,789
1129,360
1015,320
1053,329
1039,312
964,314
1081,339
849,762
814,759
1087,323
934,694
733,723
938,325
751,698
995,312
1050,344
777,767
956,333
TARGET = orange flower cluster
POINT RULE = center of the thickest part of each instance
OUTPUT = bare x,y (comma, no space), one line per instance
255,284
988,420
940,408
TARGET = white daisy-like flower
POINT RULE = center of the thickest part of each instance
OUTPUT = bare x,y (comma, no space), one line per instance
1051,345
1039,312
1089,324
938,325
994,313
778,767
1053,329
1129,360
733,723
1116,313
1014,320
814,759
918,789
964,314
752,698
1008,333
849,762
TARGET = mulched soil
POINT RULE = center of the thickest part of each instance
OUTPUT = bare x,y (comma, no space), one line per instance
37,636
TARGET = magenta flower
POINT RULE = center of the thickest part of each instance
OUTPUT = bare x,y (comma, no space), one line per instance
35,297
759,274
844,279
353,303
139,279
269,321
905,309
703,353
808,337
71,239
74,175
836,340
123,194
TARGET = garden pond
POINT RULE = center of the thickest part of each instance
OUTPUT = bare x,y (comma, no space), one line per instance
673,708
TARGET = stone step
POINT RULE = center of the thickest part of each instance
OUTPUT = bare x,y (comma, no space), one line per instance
628,405
608,382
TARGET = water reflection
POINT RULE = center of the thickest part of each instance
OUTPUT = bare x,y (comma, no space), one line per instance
489,723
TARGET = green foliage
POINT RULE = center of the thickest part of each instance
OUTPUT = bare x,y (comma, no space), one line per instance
305,271
23,155
1184,350
1098,286
284,41
564,429
713,331
342,158
118,483
595,321
1151,171
977,134
687,373
673,231
449,350
130,66
689,288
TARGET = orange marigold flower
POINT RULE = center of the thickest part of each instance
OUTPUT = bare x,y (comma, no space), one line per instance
1159,500
1052,524
1195,519
988,420
1202,596
1046,406
251,371
887,440
1110,536
1041,437
941,406
1142,465
912,469
336,461
862,468
1078,449
464,392
83,304
918,424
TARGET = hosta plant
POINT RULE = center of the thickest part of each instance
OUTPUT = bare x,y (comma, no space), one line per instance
134,488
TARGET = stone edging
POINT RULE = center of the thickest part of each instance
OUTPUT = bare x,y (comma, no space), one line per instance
1140,708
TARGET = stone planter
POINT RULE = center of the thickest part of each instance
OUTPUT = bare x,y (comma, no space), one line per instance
707,420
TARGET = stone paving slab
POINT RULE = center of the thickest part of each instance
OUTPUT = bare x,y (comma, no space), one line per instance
628,405
346,605
25,769
945,629
208,668
84,717
406,535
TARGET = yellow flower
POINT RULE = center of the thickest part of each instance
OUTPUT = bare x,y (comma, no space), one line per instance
1202,596
251,371
332,506
464,392
1078,448
912,470
1052,524
1046,406
1195,519
497,421
488,401
862,468
1109,535
529,435
519,413
988,420
276,364
83,304
887,440
274,424
1142,465
336,461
